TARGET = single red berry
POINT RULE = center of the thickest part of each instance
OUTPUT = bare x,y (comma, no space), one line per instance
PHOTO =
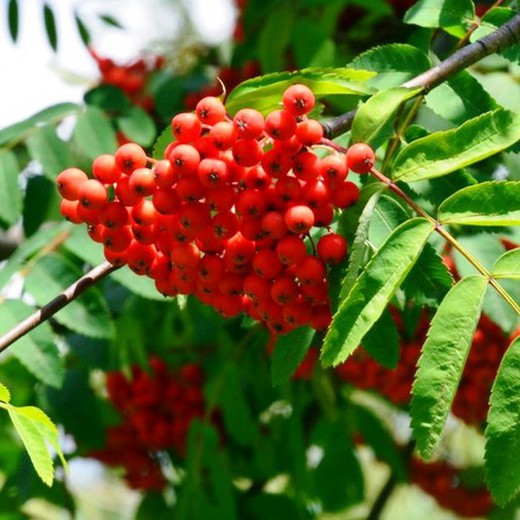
210,110
266,264
186,127
298,99
130,156
299,219
184,160
311,270
280,124
248,123
126,195
164,174
224,225
360,158
345,194
291,250
223,135
332,248
166,201
309,132
69,181
333,169
105,169
69,210
92,194
247,152
142,182
212,173
144,213
113,215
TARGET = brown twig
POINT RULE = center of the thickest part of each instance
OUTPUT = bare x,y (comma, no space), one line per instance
504,37
51,308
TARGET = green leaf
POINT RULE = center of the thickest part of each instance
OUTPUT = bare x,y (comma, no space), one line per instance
35,430
50,151
373,290
442,360
110,20
93,133
394,63
454,16
13,19
388,214
10,195
459,98
382,341
311,44
165,138
87,314
137,126
508,265
83,31
503,429
372,123
265,92
41,204
50,26
238,420
359,246
36,350
446,151
276,27
429,280
5,395
28,248
108,97
493,203
54,114
289,352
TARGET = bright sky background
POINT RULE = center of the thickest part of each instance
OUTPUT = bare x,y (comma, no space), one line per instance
33,77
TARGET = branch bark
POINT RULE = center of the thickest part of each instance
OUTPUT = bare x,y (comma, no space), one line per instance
504,37
70,293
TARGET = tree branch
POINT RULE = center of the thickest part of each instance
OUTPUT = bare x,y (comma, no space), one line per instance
69,294
504,37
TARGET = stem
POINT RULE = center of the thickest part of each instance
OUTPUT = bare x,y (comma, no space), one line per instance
51,308
448,237
504,37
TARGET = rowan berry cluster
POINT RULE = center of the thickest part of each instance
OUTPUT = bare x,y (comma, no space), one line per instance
130,78
157,409
471,401
227,214
443,482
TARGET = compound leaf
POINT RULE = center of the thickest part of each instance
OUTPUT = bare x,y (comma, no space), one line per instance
373,289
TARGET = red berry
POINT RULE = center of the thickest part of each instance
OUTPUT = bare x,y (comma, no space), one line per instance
92,194
360,158
248,123
130,156
69,181
280,124
332,248
210,110
298,99
299,219
186,127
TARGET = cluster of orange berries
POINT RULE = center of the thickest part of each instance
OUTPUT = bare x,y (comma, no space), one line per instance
227,214
131,78
443,482
157,409
471,401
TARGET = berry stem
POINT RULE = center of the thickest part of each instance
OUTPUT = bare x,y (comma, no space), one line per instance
69,294
439,228
504,37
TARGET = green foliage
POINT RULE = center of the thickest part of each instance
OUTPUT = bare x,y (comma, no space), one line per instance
263,93
13,19
50,26
485,204
502,435
373,121
10,196
442,360
137,126
444,152
289,352
454,16
507,265
93,133
373,289
87,315
394,64
35,430
37,351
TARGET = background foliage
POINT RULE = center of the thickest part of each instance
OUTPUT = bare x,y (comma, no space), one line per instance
236,423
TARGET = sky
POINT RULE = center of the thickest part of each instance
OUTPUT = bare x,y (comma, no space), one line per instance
34,77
